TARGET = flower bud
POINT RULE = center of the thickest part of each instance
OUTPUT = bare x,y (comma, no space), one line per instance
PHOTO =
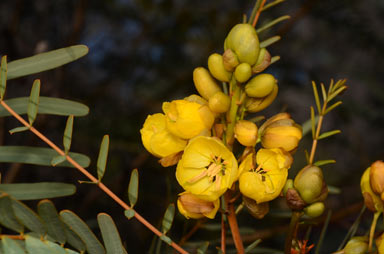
288,185
357,245
230,60
219,102
193,207
256,210
379,243
371,200
314,210
282,133
216,67
204,83
243,72
243,40
196,98
376,178
254,105
260,86
309,183
263,61
246,133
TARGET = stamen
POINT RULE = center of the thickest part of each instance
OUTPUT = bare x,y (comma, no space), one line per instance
198,177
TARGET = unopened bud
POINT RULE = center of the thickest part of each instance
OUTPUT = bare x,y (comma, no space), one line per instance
357,245
243,40
371,199
219,102
309,183
216,67
230,60
243,72
204,83
294,201
246,132
260,86
254,105
314,210
193,207
376,177
263,61
288,185
256,210
196,98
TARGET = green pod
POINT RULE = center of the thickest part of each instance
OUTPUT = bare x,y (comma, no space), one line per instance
243,40
309,183
243,72
315,210
216,67
260,86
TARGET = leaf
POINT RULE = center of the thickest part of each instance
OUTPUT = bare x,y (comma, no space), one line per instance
45,61
203,248
313,122
110,234
252,245
37,156
10,246
324,93
166,239
57,160
7,217
336,104
67,139
47,211
35,245
316,94
33,191
168,218
28,218
18,129
337,92
323,162
307,125
267,6
33,103
269,41
47,105
272,23
129,213
328,134
73,239
333,190
103,155
133,187
323,232
3,77
274,59
92,244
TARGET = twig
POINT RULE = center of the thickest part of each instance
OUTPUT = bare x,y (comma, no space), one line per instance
234,226
89,176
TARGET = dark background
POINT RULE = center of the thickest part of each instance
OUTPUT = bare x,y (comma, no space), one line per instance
143,53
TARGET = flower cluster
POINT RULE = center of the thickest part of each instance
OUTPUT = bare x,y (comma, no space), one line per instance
199,132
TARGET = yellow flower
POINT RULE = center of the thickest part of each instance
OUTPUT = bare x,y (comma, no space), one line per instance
207,168
371,200
280,131
264,182
157,139
193,207
187,119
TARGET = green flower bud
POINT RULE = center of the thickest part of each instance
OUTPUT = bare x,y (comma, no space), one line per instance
288,185
357,245
254,105
204,83
314,210
263,61
260,86
246,132
219,102
309,183
230,60
243,72
376,178
243,40
216,67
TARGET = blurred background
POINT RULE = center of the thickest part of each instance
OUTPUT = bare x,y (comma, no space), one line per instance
143,53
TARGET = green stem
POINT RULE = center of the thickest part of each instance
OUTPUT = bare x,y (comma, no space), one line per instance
232,113
372,231
291,231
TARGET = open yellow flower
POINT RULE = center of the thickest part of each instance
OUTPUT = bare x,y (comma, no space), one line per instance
193,207
264,182
207,168
187,119
157,139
